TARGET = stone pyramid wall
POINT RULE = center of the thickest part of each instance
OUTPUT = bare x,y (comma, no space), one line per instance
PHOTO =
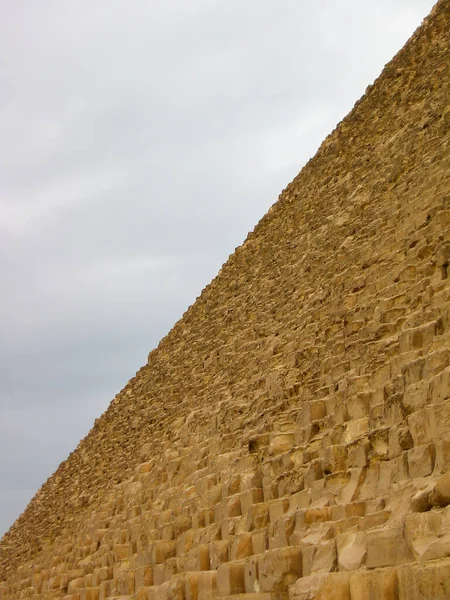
290,437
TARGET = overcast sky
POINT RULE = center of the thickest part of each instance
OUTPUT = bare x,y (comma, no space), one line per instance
139,143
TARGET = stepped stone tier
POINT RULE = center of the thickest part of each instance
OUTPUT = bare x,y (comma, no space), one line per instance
290,438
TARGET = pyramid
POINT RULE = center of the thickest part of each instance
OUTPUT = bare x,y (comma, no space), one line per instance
290,438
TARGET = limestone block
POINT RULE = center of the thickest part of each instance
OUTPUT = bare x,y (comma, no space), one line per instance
314,472
354,429
424,581
198,558
76,584
279,533
308,553
413,371
218,553
258,442
125,582
325,557
159,574
442,455
358,405
145,593
183,544
279,568
214,495
335,459
251,480
277,508
374,585
207,585
415,396
422,426
175,588
317,515
351,550
440,387
280,442
314,411
251,574
162,591
143,576
122,552
241,546
421,460
101,574
191,584
442,419
105,590
234,507
257,516
435,362
250,497
161,551
220,510
180,524
230,578
357,453
375,519
379,442
422,525
228,527
300,499
319,586
441,493
418,337
387,547
420,501
90,593
438,548
260,541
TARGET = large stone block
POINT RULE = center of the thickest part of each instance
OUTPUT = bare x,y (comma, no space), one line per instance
198,558
200,585
379,584
319,586
387,547
161,551
230,578
441,492
424,581
279,568
421,460
351,550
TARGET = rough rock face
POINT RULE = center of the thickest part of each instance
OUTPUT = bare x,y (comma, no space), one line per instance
290,437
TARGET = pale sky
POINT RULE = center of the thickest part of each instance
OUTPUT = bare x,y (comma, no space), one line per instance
139,143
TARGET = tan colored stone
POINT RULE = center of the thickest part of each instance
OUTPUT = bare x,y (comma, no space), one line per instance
441,492
424,581
319,586
351,550
374,585
387,547
230,579
279,568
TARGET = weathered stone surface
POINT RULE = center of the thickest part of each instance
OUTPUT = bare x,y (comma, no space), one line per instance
374,585
441,492
334,586
352,550
290,437
425,581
